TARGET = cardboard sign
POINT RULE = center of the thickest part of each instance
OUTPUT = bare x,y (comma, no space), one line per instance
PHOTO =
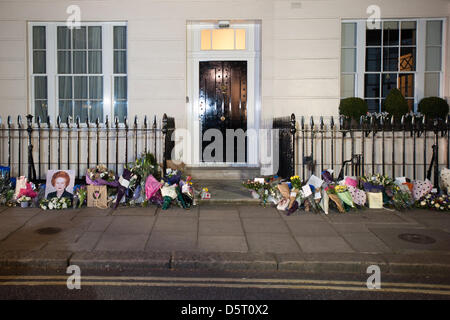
306,191
315,181
260,180
97,197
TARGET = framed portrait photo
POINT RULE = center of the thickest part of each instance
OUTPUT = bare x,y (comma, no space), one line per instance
59,184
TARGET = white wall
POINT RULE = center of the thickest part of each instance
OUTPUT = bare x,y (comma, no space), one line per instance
300,47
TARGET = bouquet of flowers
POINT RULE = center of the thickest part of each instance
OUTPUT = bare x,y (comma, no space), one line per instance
24,201
343,194
172,176
332,194
6,187
376,182
55,203
80,193
434,202
261,190
100,175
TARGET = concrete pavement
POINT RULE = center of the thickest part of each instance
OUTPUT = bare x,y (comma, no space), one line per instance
240,237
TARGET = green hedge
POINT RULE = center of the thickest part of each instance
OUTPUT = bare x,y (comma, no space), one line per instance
395,104
353,107
433,107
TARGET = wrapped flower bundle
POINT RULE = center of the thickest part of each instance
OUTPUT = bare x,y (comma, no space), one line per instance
100,176
434,202
55,203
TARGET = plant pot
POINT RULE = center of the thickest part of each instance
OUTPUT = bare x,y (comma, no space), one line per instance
24,204
255,195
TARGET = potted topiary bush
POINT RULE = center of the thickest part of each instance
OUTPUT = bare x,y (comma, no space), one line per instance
396,105
433,108
353,109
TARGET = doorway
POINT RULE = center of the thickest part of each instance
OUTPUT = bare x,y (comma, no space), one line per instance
223,107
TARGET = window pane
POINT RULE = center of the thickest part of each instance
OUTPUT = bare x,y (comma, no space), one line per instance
347,85
120,62
120,37
390,59
373,59
407,59
223,39
120,88
95,62
434,33
40,88
373,37
40,110
240,39
96,111
433,59
39,37
348,61
64,62
432,84
65,87
79,62
373,105
39,62
79,38
95,38
389,82
95,87
390,33
80,90
63,38
348,35
81,110
372,86
206,40
408,33
120,110
65,110
406,85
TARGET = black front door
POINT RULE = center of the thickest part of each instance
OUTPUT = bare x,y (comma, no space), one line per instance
223,105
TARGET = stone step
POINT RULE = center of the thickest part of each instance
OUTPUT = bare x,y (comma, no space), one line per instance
222,173
225,192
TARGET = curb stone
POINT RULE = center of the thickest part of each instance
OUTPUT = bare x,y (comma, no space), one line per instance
35,259
224,261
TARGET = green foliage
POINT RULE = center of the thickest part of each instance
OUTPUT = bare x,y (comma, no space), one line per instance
353,108
144,166
395,104
433,107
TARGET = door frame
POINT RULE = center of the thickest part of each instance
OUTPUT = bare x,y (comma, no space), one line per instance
194,57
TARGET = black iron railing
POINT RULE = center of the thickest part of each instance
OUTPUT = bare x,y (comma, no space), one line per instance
412,146
33,148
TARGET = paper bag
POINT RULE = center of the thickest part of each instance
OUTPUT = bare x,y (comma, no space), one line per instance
375,200
97,197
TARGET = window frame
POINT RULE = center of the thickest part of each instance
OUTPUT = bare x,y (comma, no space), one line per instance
419,73
52,67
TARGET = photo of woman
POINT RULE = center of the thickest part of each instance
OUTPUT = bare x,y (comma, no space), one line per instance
60,181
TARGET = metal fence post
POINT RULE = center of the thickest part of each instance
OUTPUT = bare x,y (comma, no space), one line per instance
293,130
31,168
164,132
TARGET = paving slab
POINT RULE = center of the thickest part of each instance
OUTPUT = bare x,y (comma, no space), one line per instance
222,243
170,241
385,217
311,228
350,228
134,211
258,212
220,227
272,243
178,212
176,224
347,217
265,225
93,224
323,244
122,242
86,242
224,261
122,261
217,213
130,225
366,243
303,216
436,223
390,236
94,212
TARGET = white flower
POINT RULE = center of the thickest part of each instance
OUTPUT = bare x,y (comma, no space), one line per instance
50,205
64,206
